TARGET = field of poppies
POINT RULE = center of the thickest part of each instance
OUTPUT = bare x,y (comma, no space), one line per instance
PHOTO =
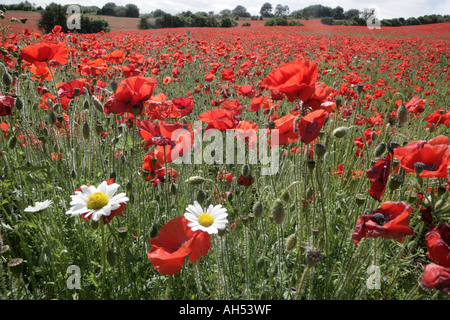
265,163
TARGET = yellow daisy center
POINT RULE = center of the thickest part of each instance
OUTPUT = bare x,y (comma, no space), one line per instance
97,201
205,219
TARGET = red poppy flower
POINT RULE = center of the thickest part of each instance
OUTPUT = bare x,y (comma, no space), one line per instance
6,105
310,125
246,90
246,181
379,175
131,93
114,57
174,243
182,106
438,244
390,221
322,91
44,52
158,134
284,129
436,277
435,160
66,91
399,152
296,80
219,119
246,130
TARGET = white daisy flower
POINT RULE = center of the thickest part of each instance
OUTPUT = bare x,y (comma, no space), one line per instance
39,206
96,202
210,220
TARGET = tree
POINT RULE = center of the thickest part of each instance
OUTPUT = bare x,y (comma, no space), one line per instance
53,15
281,10
338,13
132,11
349,14
266,10
225,13
240,11
109,9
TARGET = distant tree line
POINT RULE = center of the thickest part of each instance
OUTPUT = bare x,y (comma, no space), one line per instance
23,6
361,20
111,9
161,19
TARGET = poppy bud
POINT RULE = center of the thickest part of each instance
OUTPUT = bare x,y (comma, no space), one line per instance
257,209
122,232
86,131
173,188
195,180
277,211
271,125
111,257
402,114
291,242
16,266
340,132
245,170
86,105
320,150
313,256
380,149
395,181
60,118
338,102
19,103
286,197
6,78
432,127
12,142
97,104
114,85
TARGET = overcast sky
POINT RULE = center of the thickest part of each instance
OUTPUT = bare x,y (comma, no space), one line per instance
386,9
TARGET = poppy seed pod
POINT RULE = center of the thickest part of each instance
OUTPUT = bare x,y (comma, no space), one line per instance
86,105
195,180
245,170
360,199
16,266
419,167
114,85
392,145
257,209
286,197
277,211
122,232
291,242
173,188
340,132
311,164
313,256
380,149
395,181
320,149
